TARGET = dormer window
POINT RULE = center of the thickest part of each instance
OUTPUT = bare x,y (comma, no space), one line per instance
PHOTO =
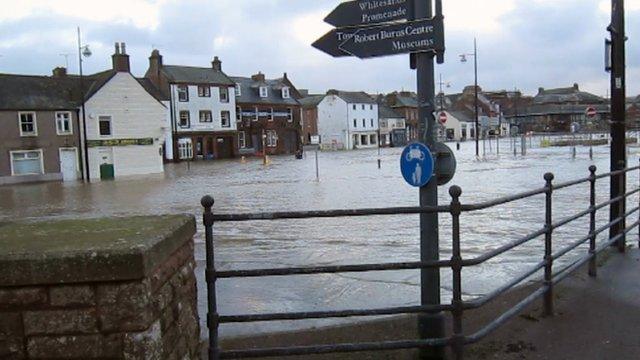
238,90
264,91
285,93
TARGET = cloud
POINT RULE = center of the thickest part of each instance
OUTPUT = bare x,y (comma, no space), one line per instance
522,43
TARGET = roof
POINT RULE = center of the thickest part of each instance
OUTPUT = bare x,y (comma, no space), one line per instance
557,109
406,99
33,92
311,101
250,91
566,95
196,75
353,97
153,90
385,112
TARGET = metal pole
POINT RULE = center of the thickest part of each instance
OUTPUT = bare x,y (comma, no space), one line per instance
548,258
456,268
475,71
84,116
593,268
430,325
317,168
618,107
210,277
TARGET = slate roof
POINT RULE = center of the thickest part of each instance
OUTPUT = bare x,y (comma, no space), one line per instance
385,112
311,101
406,101
153,90
566,95
32,92
196,75
558,109
250,91
353,97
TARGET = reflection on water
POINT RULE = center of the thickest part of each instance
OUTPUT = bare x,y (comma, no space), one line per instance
348,180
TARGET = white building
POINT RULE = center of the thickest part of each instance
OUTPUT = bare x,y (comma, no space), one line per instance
202,115
125,123
348,120
393,132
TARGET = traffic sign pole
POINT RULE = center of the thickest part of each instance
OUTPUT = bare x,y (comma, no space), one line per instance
429,325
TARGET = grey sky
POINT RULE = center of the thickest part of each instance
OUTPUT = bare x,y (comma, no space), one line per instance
524,44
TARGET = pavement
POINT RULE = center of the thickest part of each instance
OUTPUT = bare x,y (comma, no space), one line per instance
595,319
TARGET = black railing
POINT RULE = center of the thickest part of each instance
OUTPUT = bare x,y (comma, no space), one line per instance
457,340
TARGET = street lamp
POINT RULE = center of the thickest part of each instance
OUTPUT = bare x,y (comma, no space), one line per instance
83,50
463,59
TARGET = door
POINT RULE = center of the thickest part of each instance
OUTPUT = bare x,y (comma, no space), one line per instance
107,171
69,164
224,147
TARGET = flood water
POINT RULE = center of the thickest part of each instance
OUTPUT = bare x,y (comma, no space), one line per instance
347,180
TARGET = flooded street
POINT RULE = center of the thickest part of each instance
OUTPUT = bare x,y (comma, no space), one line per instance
347,180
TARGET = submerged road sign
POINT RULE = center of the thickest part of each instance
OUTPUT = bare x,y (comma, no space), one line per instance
396,38
364,12
416,164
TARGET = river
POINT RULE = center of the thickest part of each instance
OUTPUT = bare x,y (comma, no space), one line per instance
347,180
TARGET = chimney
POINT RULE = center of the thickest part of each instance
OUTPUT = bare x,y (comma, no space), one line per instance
120,59
259,77
155,64
216,64
332,92
285,76
575,87
540,90
59,72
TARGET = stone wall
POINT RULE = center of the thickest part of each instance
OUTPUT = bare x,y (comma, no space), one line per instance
147,311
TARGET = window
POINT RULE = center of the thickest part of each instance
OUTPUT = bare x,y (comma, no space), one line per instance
184,121
238,90
370,107
185,148
354,106
264,91
104,125
27,123
63,123
289,115
26,162
355,123
372,139
205,116
183,93
204,91
238,114
364,123
272,138
241,140
285,93
224,94
371,122
225,118
400,124
362,106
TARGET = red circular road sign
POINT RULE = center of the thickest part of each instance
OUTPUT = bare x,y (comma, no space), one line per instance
442,118
591,112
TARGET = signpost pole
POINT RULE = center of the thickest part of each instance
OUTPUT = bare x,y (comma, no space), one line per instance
429,325
618,110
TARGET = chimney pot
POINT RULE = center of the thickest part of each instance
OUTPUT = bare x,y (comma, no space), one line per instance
123,48
216,64
59,72
117,51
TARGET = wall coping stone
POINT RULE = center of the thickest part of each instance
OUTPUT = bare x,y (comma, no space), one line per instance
89,250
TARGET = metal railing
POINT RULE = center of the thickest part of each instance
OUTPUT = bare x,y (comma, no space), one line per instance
457,340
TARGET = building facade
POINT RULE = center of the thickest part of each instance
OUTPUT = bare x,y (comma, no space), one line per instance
405,103
39,136
310,117
347,121
202,110
268,115
393,131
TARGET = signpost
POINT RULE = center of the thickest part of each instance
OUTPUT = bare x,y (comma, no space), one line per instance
374,28
591,112
442,118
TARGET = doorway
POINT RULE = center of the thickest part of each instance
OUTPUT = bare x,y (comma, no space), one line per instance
69,164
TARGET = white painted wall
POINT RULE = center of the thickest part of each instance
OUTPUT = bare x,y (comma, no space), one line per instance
135,114
356,112
196,104
332,123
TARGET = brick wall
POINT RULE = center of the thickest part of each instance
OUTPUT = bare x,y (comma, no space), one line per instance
154,317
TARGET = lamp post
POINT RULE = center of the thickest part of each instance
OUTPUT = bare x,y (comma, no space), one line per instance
83,50
463,58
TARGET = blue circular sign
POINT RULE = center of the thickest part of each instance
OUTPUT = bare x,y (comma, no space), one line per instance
416,164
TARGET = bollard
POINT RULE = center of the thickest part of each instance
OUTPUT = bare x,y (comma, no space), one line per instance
458,146
210,276
456,267
573,152
548,257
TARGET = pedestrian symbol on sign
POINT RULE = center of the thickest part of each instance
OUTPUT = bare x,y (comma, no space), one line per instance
416,164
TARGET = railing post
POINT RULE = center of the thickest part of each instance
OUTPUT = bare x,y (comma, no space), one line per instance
210,276
622,209
548,268
593,269
456,267
639,211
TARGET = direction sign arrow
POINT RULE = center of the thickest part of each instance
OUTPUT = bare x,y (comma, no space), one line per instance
331,41
396,38
365,12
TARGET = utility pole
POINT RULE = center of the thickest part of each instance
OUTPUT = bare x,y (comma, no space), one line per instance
618,110
430,325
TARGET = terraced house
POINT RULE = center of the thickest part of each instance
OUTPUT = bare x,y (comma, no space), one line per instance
202,109
268,115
